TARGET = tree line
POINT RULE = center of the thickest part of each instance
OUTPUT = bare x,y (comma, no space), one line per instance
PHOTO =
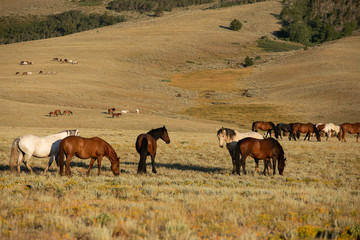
18,29
316,21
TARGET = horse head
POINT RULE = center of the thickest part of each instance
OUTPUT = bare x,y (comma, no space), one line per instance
165,136
221,136
115,166
281,164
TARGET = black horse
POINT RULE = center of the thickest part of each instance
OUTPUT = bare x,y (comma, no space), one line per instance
146,145
284,128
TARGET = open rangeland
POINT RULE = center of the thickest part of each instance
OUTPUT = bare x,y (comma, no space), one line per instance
182,70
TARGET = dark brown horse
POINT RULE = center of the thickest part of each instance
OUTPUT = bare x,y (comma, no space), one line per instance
53,114
265,126
94,148
58,112
260,149
146,145
307,128
111,110
116,115
284,128
349,128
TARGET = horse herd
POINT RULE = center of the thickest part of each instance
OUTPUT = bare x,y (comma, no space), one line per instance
57,112
240,145
294,129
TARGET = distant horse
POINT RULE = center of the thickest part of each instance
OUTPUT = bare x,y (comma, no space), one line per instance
53,114
260,149
231,137
351,128
124,111
283,127
116,115
111,110
307,128
25,63
265,126
67,112
328,129
58,112
40,147
27,73
146,145
94,148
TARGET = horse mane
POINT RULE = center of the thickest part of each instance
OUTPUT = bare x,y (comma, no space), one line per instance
111,152
156,133
229,132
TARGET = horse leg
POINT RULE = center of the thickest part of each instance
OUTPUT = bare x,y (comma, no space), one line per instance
153,162
67,169
256,165
274,164
234,164
99,165
243,162
19,160
26,162
343,136
90,165
307,134
49,164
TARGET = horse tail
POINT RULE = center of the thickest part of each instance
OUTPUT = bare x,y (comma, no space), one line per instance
60,157
253,127
275,129
14,147
143,155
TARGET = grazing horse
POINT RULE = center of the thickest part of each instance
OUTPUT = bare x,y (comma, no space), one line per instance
53,114
351,128
265,126
94,148
307,128
111,110
40,147
260,149
231,137
116,115
328,129
67,112
58,112
285,128
146,145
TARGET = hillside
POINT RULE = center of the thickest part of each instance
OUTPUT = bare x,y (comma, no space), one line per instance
143,63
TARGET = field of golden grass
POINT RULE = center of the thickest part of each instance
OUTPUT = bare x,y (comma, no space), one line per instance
182,70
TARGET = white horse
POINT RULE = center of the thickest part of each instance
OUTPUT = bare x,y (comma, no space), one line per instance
40,147
231,137
328,129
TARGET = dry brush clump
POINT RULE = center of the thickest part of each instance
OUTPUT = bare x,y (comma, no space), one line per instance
193,196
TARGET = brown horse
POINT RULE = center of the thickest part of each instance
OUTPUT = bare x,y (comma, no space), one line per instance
58,112
111,110
260,149
307,128
116,115
53,114
94,148
351,128
265,126
67,112
146,145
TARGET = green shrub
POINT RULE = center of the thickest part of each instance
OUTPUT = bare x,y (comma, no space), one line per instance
235,25
249,61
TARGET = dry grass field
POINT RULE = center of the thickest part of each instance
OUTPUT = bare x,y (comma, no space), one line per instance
182,70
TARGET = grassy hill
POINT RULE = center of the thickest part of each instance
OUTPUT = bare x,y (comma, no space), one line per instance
183,70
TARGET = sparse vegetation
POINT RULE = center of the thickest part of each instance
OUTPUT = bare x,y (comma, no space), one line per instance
249,61
313,22
276,46
235,25
18,29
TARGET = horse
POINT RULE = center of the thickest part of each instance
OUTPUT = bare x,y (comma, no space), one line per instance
146,145
351,128
94,148
265,126
67,112
27,73
307,128
285,128
111,110
40,147
53,114
116,115
124,111
231,137
58,112
328,129
260,149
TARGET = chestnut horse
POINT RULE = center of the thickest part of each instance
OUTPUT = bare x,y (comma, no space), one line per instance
349,128
67,112
146,145
94,148
58,112
265,126
260,149
307,128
